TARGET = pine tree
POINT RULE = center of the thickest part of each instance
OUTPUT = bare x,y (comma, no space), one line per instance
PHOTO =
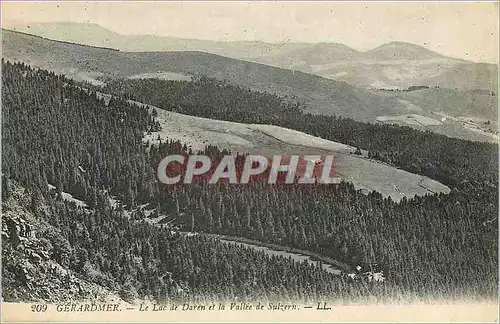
269,231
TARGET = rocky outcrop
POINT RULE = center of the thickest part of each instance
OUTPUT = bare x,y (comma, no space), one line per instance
29,269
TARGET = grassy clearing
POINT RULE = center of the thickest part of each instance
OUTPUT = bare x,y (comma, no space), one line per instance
364,173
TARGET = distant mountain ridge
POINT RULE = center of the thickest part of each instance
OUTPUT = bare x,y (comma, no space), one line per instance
96,35
92,63
392,65
320,95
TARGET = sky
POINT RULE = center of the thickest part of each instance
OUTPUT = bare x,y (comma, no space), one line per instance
467,30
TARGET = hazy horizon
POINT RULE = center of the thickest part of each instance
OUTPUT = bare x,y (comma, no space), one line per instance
13,28
464,30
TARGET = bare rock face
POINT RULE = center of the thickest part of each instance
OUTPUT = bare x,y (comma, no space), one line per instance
16,230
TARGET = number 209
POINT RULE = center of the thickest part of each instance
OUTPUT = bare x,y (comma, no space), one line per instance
38,308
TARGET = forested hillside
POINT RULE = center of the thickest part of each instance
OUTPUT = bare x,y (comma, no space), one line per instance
54,132
423,245
470,168
448,160
74,253
57,133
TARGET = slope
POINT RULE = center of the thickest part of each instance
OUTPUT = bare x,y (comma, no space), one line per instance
83,62
441,241
34,256
320,95
395,64
366,174
306,58
101,243
95,35
400,50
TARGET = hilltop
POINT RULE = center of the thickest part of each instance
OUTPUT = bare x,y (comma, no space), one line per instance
96,64
401,50
395,64
319,95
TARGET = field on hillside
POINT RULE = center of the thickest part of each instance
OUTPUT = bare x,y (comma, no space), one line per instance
450,101
162,75
364,173
448,112
410,119
459,127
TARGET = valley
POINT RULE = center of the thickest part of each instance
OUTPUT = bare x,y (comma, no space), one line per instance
414,139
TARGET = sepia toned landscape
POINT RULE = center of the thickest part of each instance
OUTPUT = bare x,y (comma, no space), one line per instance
88,113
